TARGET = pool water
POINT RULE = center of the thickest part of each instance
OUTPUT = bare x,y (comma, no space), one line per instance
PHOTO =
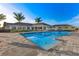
45,40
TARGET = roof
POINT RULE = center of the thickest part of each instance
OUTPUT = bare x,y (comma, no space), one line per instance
25,24
62,25
17,23
42,24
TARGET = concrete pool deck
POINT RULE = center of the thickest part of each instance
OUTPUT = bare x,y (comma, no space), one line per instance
13,44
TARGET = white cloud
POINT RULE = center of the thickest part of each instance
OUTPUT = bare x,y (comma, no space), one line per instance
8,10
74,21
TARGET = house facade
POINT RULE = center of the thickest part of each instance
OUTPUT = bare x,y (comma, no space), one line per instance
27,26
37,26
63,27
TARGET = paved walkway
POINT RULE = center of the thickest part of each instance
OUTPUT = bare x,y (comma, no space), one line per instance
13,44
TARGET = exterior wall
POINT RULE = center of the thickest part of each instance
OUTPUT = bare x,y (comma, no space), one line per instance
37,27
40,27
63,28
17,27
8,27
33,27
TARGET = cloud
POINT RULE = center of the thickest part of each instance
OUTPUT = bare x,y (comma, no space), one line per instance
8,10
74,21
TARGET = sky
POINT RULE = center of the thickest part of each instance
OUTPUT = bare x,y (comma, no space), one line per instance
51,13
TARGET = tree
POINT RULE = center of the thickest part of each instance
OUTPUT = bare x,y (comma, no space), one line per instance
2,17
38,19
19,16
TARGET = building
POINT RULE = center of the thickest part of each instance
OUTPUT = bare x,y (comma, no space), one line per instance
37,26
41,26
64,27
27,26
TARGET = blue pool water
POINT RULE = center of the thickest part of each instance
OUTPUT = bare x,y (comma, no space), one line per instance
45,40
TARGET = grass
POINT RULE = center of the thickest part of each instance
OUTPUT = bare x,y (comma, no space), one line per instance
19,30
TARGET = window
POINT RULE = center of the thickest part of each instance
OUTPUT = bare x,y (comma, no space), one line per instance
40,27
32,28
7,27
35,28
28,28
72,27
13,27
44,28
59,27
66,27
19,27
24,28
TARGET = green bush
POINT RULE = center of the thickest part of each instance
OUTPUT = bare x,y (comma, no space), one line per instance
20,30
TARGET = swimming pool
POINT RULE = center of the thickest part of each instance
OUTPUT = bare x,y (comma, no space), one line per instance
45,40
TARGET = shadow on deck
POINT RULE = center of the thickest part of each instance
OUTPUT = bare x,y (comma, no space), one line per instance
25,45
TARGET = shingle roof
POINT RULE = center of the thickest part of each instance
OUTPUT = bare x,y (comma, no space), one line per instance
62,25
17,23
42,24
25,24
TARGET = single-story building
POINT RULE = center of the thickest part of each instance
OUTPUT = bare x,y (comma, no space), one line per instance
37,26
63,27
26,26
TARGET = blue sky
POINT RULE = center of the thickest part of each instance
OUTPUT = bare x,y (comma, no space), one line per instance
51,13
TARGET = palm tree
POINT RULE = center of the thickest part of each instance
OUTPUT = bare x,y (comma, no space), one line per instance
38,19
19,17
2,17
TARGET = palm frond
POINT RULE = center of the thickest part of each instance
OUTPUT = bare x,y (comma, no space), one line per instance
38,19
18,16
2,17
